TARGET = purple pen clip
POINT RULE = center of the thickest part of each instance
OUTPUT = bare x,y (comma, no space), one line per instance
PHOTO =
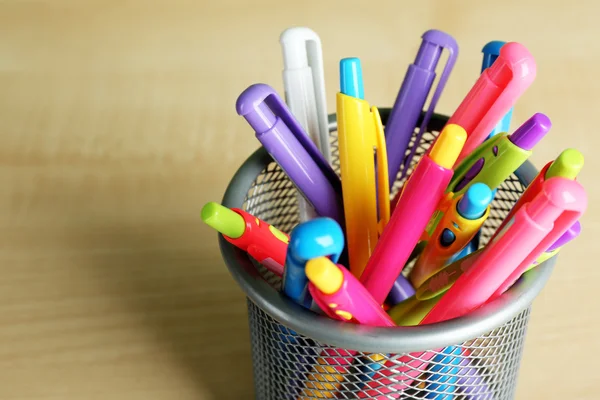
566,237
434,41
290,146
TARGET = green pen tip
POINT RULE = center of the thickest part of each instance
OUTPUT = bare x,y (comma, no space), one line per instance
224,220
567,165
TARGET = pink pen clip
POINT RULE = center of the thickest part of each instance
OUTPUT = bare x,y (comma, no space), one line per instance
494,94
532,230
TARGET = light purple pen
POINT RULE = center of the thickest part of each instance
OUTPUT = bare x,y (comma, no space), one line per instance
291,147
470,383
566,237
401,291
413,94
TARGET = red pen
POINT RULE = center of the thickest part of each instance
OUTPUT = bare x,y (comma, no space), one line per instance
265,243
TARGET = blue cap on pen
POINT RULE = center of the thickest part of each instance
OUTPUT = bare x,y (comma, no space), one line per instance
475,201
491,51
351,80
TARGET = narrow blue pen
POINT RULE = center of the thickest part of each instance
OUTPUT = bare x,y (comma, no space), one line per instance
491,51
444,374
319,237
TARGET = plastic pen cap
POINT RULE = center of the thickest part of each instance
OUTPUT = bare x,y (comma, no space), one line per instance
568,165
475,201
257,112
351,80
224,220
531,132
448,146
295,44
430,50
324,274
491,51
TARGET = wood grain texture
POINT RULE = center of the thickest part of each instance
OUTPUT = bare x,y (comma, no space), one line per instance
118,123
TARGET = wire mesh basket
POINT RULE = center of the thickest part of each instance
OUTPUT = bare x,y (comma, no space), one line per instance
298,354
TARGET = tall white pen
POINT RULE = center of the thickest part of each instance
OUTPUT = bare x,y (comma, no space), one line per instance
304,86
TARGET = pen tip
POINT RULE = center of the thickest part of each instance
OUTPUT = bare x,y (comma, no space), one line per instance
448,146
351,80
325,275
223,219
475,201
568,164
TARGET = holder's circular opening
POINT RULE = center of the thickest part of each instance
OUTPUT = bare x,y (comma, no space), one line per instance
366,338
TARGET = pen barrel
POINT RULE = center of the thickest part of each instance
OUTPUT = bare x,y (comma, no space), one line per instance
301,99
353,301
302,170
356,140
491,163
415,207
263,242
405,114
435,255
529,194
491,268
476,105
503,83
295,284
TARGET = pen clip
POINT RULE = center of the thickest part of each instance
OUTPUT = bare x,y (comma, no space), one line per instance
263,93
381,166
302,48
447,42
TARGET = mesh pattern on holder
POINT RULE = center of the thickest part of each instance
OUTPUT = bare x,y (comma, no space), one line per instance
288,365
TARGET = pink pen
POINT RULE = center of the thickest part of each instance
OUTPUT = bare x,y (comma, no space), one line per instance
343,295
494,94
531,231
418,201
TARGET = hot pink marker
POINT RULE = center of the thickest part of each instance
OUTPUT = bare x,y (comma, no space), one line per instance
418,201
532,230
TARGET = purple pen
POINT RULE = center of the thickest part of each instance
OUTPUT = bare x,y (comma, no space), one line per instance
470,383
412,96
566,237
289,145
569,235
499,156
401,291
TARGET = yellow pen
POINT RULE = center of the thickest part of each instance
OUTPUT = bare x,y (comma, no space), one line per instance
461,221
363,166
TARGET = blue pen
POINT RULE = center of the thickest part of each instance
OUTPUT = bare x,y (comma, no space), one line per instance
319,237
444,374
491,51
412,96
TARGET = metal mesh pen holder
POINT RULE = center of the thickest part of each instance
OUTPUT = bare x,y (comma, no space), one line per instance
298,354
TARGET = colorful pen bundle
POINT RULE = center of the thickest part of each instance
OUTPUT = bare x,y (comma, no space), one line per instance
347,257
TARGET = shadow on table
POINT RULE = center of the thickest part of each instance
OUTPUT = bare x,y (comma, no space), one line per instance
174,278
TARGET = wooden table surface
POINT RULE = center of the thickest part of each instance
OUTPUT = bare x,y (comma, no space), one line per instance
118,123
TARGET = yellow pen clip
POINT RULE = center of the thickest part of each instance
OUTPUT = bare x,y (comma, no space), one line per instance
383,184
356,142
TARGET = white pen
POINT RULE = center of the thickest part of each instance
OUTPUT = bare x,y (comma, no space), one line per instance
304,85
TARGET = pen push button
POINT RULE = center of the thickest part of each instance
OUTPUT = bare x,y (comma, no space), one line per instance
447,238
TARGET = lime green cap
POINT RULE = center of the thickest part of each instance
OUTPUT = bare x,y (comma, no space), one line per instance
567,165
223,219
